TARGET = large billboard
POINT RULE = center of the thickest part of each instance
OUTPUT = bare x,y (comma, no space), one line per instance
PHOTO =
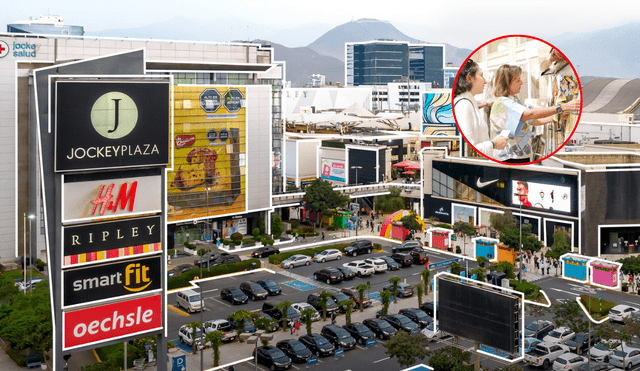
111,321
437,115
111,124
333,170
541,196
210,152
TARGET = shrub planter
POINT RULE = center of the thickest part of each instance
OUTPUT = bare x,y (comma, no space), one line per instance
625,288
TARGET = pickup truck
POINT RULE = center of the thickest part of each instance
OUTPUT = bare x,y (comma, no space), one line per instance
544,354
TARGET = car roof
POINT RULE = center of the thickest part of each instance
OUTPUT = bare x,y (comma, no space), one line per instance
622,307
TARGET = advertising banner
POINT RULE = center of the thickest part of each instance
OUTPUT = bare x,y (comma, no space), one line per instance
437,115
542,196
108,195
107,240
110,281
111,124
209,158
92,326
333,170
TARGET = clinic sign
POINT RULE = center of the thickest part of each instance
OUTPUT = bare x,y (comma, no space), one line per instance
18,49
110,281
103,125
111,321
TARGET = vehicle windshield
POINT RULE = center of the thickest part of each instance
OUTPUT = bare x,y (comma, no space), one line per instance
531,326
360,327
193,298
615,311
298,346
235,292
255,287
430,326
420,314
270,283
561,360
621,354
275,353
341,297
321,341
555,334
601,346
384,325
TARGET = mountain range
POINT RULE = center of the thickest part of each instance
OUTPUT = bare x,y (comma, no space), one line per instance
607,53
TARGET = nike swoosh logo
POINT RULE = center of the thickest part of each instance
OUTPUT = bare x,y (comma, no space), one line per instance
484,184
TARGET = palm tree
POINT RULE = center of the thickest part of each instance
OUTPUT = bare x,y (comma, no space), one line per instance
361,289
425,278
306,314
420,290
386,299
395,280
284,308
239,318
194,326
324,301
215,338
348,308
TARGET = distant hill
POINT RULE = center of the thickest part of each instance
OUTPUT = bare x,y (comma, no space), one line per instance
304,62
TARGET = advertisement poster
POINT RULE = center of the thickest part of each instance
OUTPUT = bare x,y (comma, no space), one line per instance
542,196
333,170
437,115
210,132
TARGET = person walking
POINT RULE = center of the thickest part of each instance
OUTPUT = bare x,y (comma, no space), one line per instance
322,235
333,318
296,329
295,238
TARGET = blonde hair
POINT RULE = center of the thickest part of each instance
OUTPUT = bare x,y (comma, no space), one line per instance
505,76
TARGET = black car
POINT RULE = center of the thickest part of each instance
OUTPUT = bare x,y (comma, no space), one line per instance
318,344
543,327
234,295
225,259
355,296
271,287
404,290
419,257
428,308
401,322
295,350
253,290
337,298
265,251
328,275
314,301
273,357
416,315
338,336
582,338
359,332
403,258
392,265
380,327
275,313
346,272
407,246
177,271
359,247
207,258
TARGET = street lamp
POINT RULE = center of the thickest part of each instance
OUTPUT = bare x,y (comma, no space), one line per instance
24,242
356,167
520,245
254,339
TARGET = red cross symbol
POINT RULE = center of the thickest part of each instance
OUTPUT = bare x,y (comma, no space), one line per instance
4,49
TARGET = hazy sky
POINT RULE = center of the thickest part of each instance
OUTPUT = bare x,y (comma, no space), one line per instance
462,23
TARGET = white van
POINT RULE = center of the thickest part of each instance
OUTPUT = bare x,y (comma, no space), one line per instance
189,300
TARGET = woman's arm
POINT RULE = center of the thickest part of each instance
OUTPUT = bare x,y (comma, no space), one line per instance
542,121
538,113
466,118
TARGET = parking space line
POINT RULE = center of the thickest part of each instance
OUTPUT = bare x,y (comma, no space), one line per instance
380,360
359,347
218,301
179,311
210,290
294,366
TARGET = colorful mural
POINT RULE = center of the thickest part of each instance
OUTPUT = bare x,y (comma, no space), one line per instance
437,115
387,226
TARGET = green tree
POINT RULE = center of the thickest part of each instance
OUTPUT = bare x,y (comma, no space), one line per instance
511,237
284,308
239,318
420,292
466,229
263,323
306,315
501,221
276,226
101,366
26,321
569,314
480,273
361,289
194,326
347,305
611,332
425,278
456,268
385,297
482,261
321,198
395,281
390,203
261,225
630,265
407,348
411,222
506,267
324,301
560,247
215,338
450,358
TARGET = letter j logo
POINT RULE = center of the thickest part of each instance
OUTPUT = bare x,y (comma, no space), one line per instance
114,115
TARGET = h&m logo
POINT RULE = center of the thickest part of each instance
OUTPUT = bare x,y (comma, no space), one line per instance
122,199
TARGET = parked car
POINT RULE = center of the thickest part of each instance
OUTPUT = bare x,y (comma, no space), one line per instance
314,301
297,260
558,336
392,265
360,267
189,300
569,361
416,315
222,325
271,287
626,358
359,332
299,307
354,295
597,366
603,350
401,322
185,335
226,259
338,336
248,324
379,265
581,341
347,272
427,307
295,350
207,259
359,247
404,290
182,268
403,258
430,332
234,295
253,290
328,275
318,344
419,257
329,254
538,329
270,309
530,343
407,246
543,355
272,357
337,297
380,327
265,251
620,312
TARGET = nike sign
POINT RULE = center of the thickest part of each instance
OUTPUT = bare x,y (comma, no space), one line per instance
484,184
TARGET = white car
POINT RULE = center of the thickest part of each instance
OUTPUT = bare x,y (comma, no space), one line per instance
431,334
601,351
296,261
360,267
299,307
330,254
378,264
620,312
558,336
222,325
626,358
185,334
569,361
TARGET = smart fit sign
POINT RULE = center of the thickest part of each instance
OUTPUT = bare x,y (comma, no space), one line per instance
110,281
101,125
111,321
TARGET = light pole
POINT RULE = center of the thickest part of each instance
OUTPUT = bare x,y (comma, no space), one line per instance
356,167
254,339
31,217
520,245
24,242
201,324
356,222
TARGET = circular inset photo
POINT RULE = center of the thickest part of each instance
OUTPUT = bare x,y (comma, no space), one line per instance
516,100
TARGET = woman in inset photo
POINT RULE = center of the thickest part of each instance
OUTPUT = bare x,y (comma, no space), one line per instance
471,121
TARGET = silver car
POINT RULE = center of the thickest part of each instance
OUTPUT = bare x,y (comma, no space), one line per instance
299,307
330,254
296,261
